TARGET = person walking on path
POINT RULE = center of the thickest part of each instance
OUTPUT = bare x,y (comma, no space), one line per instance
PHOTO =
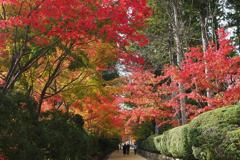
135,149
116,155
124,148
128,148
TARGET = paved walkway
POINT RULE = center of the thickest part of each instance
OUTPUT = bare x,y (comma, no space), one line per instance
118,155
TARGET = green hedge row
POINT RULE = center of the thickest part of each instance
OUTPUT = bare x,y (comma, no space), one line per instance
174,142
149,144
52,136
214,135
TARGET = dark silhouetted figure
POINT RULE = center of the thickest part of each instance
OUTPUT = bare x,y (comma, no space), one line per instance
128,148
124,149
135,148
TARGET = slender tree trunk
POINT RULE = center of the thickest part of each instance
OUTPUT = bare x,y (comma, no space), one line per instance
156,129
203,23
16,70
212,7
173,61
178,28
11,73
203,20
50,80
214,29
171,45
238,34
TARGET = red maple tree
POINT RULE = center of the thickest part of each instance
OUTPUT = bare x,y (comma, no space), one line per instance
222,78
158,96
147,98
34,28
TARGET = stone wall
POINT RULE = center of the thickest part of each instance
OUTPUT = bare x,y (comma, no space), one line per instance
155,156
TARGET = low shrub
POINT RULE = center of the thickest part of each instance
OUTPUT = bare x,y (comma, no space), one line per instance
64,137
53,136
178,143
214,134
175,143
171,143
232,144
149,144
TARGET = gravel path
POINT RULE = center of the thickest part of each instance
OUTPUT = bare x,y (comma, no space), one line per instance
118,155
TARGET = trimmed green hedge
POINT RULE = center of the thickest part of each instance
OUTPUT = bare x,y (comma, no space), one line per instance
149,144
232,144
171,143
214,135
179,145
177,142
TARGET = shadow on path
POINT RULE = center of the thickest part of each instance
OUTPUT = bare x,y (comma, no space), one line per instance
118,155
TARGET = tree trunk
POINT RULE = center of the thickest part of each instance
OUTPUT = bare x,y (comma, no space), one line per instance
50,80
203,20
213,7
238,35
171,45
214,29
178,28
156,129
203,23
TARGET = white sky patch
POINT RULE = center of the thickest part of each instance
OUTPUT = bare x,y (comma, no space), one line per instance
130,12
121,68
223,23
